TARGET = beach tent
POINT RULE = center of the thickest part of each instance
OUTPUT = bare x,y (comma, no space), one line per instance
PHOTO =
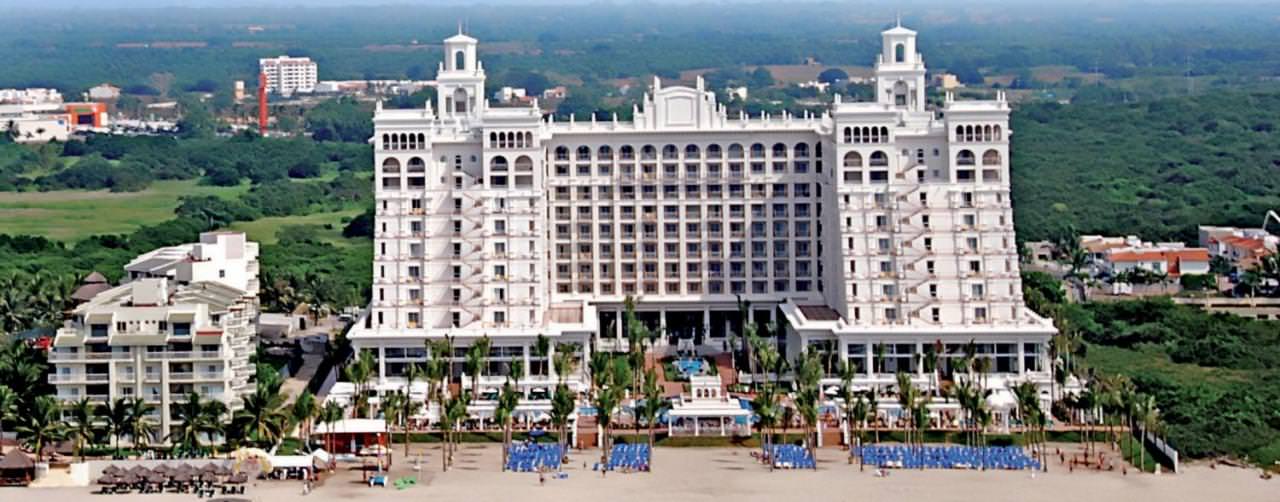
17,469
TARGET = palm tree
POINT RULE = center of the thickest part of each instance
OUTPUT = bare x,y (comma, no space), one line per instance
437,372
115,416
809,395
196,419
477,358
303,412
654,405
766,406
41,424
907,396
262,419
330,414
140,428
563,404
607,391
873,412
508,399
1148,418
358,372
81,428
412,373
541,348
847,399
8,405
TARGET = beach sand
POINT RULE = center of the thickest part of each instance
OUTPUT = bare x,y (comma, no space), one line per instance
698,474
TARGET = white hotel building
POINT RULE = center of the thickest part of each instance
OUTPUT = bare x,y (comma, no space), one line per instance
184,320
288,75
885,222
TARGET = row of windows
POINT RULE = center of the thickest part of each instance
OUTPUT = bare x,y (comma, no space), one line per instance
403,141
672,152
866,135
692,288
628,192
737,229
737,249
971,133
510,139
780,210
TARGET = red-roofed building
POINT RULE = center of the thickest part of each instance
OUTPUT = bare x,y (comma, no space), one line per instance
1170,261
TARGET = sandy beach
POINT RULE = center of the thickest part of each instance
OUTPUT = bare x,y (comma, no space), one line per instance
697,474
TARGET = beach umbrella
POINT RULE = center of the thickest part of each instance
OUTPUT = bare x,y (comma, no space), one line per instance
156,477
208,477
127,480
185,467
238,478
107,480
182,477
209,468
140,470
111,469
222,471
162,469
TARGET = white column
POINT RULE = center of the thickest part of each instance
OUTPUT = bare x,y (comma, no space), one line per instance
382,365
721,426
1022,355
524,391
818,441
697,424
551,352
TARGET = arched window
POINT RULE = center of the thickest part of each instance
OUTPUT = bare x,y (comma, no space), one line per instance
875,134
900,92
395,142
391,165
853,159
735,151
857,135
997,133
524,163
422,140
670,152
884,134
416,165
802,150
584,152
968,133
498,164
779,151
604,154
691,152
714,152
900,53
757,151
991,158
648,152
848,135
959,133
460,100
386,142
459,60
562,152
965,158
986,133
627,152
879,159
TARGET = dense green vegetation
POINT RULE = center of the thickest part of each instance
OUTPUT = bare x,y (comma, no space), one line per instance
1211,375
589,43
1155,169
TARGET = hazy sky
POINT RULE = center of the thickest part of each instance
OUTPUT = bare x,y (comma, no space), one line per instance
107,4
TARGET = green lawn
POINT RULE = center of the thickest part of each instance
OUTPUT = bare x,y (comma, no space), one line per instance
1151,360
263,230
70,215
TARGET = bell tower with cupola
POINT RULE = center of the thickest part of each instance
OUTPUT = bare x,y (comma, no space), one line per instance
460,78
900,72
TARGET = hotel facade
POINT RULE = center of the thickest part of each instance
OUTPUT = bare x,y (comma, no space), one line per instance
873,232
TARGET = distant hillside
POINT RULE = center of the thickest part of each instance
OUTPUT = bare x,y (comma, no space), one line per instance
1155,169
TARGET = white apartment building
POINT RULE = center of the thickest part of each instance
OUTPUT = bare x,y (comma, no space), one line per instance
30,96
876,224
184,321
288,75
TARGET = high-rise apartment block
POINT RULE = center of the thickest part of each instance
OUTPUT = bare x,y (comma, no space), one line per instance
288,75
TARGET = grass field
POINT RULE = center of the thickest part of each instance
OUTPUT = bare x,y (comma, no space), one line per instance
263,230
70,215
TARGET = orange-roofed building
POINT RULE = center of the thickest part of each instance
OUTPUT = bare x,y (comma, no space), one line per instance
1170,261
